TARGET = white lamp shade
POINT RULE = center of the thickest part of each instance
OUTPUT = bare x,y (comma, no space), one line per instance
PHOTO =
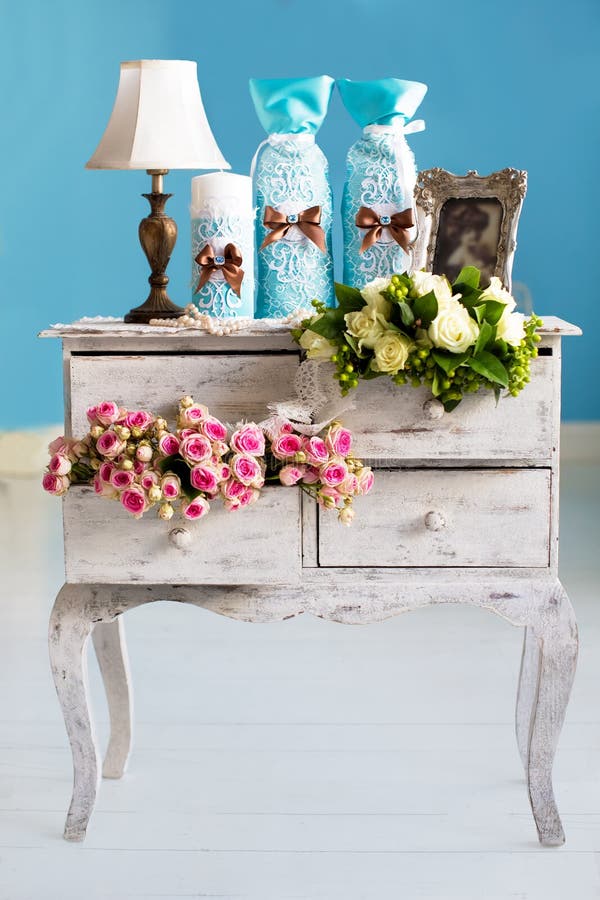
158,121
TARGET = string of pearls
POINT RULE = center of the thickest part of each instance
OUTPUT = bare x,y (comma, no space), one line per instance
193,318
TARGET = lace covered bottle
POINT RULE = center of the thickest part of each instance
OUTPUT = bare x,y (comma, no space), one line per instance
377,203
222,244
293,197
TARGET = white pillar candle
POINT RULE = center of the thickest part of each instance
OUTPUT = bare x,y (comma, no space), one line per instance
223,235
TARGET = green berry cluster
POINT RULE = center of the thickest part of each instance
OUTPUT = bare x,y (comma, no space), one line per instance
347,370
518,364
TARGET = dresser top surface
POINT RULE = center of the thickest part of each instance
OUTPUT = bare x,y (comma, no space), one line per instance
256,337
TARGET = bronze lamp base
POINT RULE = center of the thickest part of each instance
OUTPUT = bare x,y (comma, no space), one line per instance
158,233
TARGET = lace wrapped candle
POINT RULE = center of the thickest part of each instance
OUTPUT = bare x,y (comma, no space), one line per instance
293,196
377,204
223,244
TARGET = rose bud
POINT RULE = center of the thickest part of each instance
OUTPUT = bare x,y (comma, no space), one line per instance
127,464
144,453
96,431
346,515
186,401
154,494
166,511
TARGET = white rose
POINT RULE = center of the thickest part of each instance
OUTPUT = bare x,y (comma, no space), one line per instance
511,328
372,295
453,328
425,282
495,291
391,352
316,346
366,325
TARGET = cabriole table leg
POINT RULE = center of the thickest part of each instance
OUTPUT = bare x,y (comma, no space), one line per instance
69,630
111,651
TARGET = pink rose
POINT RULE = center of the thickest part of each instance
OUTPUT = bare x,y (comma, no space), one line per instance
248,496
60,464
107,412
311,475
55,484
214,430
148,480
170,486
134,500
286,445
193,415
168,444
105,471
334,472
365,480
329,497
195,448
103,489
339,440
204,479
109,445
224,472
61,445
232,505
248,439
139,466
185,432
350,484
316,450
246,469
197,508
121,479
144,453
138,419
232,489
92,414
290,475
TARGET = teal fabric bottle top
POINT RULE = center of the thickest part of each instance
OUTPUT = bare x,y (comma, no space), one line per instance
380,102
291,105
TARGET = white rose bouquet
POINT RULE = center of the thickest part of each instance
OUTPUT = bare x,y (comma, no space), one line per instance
419,328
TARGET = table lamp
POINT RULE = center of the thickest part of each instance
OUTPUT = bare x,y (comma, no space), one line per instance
157,123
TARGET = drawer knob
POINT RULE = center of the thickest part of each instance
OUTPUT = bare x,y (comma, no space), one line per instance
435,521
433,409
180,538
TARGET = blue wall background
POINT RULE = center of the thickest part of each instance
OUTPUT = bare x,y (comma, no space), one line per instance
511,83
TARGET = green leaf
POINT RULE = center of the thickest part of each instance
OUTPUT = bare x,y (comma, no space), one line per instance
490,367
436,388
330,325
486,334
406,313
493,311
469,275
349,299
500,348
469,296
353,343
426,309
449,361
371,373
449,405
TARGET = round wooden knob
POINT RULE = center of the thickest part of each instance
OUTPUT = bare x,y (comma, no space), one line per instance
433,409
180,538
435,521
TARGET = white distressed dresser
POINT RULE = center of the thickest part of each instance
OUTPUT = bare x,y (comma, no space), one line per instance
464,509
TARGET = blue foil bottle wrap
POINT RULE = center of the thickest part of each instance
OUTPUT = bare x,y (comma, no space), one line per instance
290,178
381,173
222,215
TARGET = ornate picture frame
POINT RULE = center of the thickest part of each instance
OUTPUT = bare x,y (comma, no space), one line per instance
468,220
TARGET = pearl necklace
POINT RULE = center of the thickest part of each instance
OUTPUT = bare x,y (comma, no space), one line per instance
193,318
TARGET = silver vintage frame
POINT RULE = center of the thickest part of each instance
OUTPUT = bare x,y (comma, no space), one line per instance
435,186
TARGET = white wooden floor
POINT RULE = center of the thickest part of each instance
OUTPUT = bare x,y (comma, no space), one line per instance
302,759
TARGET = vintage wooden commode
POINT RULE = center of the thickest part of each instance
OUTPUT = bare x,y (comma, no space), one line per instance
464,509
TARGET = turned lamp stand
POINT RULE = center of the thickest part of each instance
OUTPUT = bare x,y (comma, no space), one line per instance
158,233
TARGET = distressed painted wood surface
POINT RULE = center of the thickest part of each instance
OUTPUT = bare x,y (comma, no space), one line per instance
233,387
445,517
539,604
111,652
257,545
399,425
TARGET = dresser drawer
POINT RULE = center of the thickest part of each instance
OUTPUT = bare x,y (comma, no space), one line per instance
392,423
234,386
451,517
104,544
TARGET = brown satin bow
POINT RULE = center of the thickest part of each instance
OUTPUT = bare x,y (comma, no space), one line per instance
228,263
308,221
398,223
